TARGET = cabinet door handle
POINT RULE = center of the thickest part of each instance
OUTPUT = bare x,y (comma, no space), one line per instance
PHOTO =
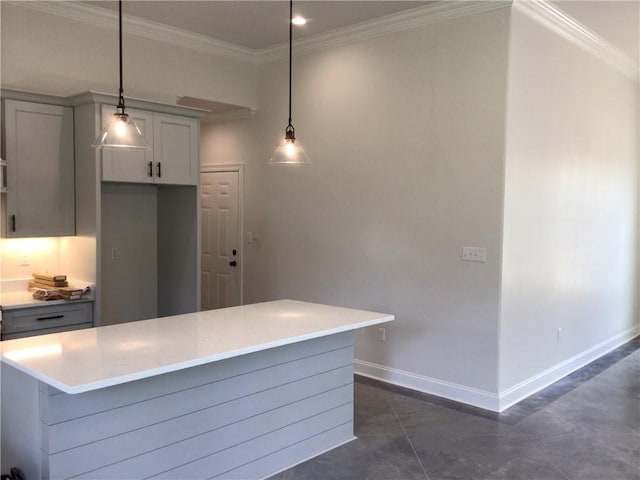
13,223
159,169
52,317
150,171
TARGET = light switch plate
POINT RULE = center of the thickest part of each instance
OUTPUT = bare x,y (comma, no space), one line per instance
474,254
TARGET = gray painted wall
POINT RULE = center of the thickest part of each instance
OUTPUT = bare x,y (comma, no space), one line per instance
571,188
409,141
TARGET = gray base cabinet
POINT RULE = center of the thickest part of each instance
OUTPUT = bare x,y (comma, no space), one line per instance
30,321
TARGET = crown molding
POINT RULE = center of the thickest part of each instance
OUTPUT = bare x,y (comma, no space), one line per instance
554,19
406,20
8,94
100,17
133,102
103,18
541,11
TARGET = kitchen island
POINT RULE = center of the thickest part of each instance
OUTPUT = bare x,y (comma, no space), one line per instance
241,392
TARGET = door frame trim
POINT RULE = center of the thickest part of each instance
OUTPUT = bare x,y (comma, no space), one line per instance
232,167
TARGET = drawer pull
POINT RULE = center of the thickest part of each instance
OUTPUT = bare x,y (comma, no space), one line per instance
52,317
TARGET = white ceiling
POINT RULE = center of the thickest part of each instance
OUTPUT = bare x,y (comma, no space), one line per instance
257,24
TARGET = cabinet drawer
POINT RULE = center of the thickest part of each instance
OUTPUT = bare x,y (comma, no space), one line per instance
45,331
52,319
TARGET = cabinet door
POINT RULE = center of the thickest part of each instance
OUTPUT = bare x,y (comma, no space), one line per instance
40,170
124,165
175,146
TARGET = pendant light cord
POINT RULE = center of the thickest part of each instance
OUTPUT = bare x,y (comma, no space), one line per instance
289,132
121,91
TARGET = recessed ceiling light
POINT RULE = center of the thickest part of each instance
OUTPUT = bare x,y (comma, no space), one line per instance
298,20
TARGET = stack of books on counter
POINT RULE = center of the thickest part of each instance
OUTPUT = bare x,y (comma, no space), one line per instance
51,286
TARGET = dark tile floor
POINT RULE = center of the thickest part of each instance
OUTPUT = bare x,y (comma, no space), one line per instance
585,426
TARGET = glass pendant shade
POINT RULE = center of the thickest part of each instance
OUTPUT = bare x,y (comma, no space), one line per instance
121,132
289,152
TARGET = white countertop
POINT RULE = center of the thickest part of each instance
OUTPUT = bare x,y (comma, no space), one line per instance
15,294
14,300
90,359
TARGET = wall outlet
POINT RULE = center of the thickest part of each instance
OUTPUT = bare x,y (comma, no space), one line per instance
24,260
382,334
474,254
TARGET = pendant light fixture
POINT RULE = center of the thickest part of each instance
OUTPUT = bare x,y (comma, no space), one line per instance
290,152
121,131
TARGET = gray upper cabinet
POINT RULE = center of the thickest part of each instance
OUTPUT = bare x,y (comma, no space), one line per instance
138,212
127,165
173,158
175,147
38,147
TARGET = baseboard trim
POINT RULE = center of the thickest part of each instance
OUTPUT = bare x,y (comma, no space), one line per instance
485,399
432,386
528,387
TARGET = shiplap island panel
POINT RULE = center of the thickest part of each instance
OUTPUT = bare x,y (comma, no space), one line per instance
241,392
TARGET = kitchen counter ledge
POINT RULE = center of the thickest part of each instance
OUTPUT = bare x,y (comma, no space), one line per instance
14,294
95,358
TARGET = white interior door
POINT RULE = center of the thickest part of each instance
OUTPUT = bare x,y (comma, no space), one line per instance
220,239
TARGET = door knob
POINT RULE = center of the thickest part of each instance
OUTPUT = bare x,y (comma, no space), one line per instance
233,263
